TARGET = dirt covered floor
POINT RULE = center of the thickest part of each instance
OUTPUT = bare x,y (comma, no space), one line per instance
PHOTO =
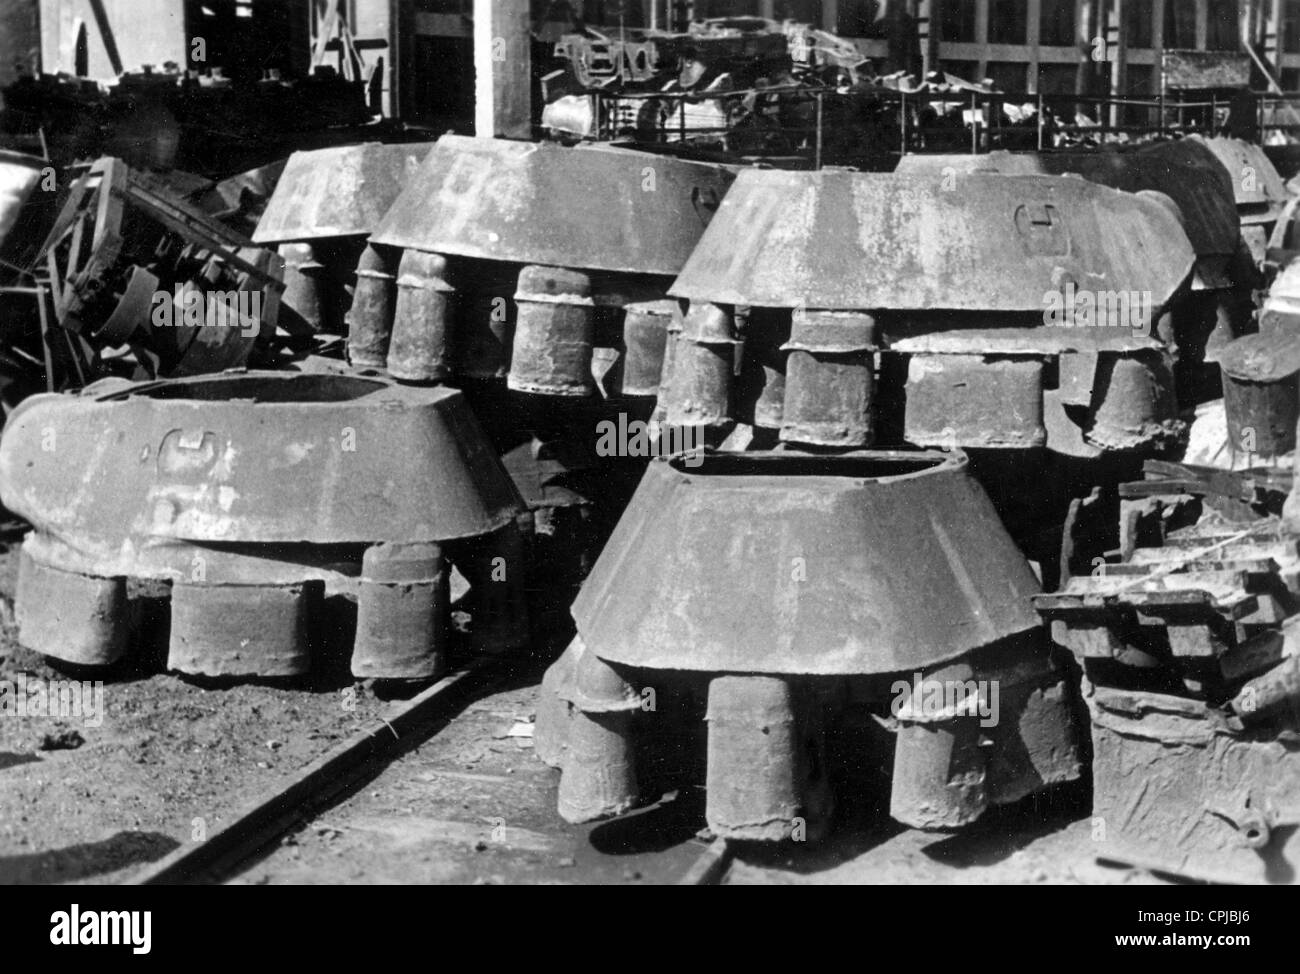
169,761
91,799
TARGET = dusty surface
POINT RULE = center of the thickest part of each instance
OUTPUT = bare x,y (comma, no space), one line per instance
1014,846
172,759
473,805
169,761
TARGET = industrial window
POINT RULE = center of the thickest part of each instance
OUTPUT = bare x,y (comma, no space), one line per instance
612,13
1008,76
806,11
727,8
1056,23
957,24
860,18
1008,21
1180,24
1222,24
1137,22
1057,79
966,70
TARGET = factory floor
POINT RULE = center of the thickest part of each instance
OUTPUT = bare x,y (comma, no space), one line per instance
170,761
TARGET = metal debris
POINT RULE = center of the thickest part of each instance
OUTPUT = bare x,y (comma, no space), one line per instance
1187,645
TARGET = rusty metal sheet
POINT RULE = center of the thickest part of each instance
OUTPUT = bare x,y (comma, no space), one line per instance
1260,192
1186,790
538,203
866,562
1186,171
891,242
337,192
258,457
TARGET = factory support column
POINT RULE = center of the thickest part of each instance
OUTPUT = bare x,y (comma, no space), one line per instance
502,70
1117,51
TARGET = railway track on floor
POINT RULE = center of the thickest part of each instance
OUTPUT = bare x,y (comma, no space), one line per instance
257,831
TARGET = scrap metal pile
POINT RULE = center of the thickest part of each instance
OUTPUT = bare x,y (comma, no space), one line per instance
1190,657
112,273
672,86
781,455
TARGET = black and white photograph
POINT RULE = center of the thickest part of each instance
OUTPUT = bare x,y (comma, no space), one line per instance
650,442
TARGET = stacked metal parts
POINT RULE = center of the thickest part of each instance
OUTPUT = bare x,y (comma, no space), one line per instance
775,454
828,313
789,587
1189,648
518,260
324,208
534,277
1188,639
945,327
241,505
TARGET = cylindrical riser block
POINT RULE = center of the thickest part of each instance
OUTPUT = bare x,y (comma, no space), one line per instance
1262,416
554,712
420,348
599,778
700,391
242,630
939,775
370,319
828,399
940,768
667,373
645,338
403,613
755,781
306,285
554,332
1133,401
76,618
